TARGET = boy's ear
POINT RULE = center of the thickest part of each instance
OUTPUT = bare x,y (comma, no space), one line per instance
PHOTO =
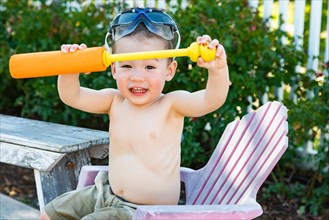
171,70
113,70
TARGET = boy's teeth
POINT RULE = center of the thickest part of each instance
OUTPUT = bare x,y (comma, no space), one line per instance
138,90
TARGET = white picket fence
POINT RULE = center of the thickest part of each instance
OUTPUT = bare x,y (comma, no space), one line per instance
297,29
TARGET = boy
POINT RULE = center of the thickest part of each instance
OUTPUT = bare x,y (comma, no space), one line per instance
145,124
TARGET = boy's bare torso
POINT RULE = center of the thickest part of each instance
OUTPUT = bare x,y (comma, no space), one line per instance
144,159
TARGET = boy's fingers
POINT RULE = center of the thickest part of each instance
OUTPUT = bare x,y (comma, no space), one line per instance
200,61
64,48
204,39
82,46
207,38
214,43
220,51
74,47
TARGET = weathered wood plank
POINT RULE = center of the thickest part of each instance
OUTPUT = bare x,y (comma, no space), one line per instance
28,157
12,209
99,152
62,178
49,136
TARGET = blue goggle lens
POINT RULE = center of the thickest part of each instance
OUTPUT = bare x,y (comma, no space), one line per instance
127,18
135,16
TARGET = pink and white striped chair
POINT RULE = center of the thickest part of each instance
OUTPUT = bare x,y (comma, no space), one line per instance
226,187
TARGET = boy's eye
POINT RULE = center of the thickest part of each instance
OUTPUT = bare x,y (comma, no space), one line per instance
126,66
149,67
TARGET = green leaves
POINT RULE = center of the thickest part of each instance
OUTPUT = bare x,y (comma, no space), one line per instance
257,59
35,26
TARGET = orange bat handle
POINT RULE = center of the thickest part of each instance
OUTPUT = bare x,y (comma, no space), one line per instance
40,64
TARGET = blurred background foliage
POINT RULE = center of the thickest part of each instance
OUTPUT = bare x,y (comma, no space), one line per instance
257,59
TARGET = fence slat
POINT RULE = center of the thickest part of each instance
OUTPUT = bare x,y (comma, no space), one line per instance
326,51
283,11
299,18
314,38
253,4
268,8
298,33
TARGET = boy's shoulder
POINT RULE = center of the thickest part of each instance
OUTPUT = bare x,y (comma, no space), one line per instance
176,94
174,97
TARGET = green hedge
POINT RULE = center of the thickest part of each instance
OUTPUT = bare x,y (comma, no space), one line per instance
256,57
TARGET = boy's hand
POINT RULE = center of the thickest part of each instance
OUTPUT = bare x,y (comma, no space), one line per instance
65,48
71,48
220,61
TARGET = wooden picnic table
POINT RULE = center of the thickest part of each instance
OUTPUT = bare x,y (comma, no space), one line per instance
55,152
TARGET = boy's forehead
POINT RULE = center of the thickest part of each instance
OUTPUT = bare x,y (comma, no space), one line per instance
138,43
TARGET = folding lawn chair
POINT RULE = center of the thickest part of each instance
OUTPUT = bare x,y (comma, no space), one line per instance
226,187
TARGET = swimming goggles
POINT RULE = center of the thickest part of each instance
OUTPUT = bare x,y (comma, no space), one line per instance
156,21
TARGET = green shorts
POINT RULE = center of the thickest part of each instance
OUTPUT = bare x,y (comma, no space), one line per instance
92,202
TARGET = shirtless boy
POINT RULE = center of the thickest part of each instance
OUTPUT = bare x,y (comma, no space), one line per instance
145,124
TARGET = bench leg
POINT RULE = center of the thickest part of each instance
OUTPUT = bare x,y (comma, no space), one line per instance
62,178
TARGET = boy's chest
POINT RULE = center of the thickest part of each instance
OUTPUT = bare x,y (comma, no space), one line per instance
139,125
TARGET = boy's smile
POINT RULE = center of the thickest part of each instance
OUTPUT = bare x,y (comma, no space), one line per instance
138,91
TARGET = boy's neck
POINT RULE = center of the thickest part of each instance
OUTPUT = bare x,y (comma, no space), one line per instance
144,105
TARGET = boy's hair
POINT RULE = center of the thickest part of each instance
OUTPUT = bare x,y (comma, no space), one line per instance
142,31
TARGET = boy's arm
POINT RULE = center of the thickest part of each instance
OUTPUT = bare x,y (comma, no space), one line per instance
85,99
214,95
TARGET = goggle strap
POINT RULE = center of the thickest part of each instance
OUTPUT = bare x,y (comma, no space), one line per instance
178,40
107,47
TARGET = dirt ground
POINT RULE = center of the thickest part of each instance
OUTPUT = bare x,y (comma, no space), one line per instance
19,183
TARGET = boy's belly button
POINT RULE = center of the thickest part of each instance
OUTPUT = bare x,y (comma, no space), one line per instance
153,135
120,192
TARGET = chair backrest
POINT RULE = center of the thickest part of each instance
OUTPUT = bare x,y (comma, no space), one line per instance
245,155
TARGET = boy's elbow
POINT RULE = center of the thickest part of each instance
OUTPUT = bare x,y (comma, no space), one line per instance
62,98
65,98
61,94
218,104
68,88
220,99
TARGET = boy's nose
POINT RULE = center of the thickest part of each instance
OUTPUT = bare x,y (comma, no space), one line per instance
137,76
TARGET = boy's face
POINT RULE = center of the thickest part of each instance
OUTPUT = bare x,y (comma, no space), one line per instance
142,81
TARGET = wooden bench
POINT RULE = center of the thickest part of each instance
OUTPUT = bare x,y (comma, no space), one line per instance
55,152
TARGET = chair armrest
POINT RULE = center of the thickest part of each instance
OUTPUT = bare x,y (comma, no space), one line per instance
88,174
186,173
191,212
